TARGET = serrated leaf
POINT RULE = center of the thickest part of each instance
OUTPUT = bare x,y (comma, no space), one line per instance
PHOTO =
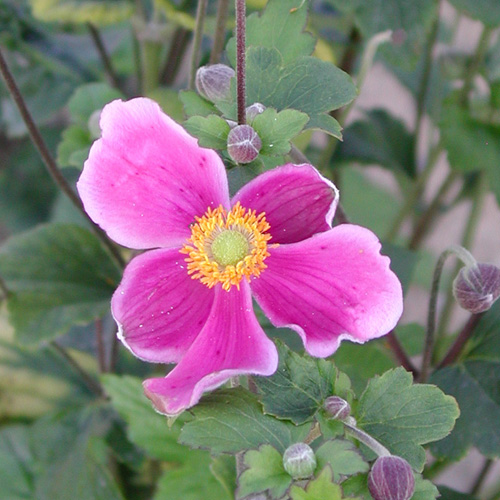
211,131
100,12
146,428
59,276
276,130
300,385
424,489
326,123
318,489
486,11
264,472
342,456
379,139
279,26
190,481
403,416
221,416
194,105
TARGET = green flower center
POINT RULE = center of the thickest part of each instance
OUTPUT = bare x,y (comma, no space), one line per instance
229,247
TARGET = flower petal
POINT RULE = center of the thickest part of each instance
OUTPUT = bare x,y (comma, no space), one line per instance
297,199
331,287
159,309
146,179
231,343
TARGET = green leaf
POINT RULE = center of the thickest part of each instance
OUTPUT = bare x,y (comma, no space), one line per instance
146,428
342,456
59,276
16,463
190,481
379,139
89,98
326,123
223,468
486,11
280,26
403,416
449,494
221,416
264,472
424,489
194,105
300,386
100,12
276,130
75,139
211,130
318,489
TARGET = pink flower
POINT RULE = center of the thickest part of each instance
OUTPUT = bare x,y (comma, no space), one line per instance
149,185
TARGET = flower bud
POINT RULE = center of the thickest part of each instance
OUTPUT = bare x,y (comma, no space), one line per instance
252,111
477,287
243,144
391,478
337,408
299,461
214,82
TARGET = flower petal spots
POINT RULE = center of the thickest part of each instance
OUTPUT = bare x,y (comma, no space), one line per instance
159,309
146,179
296,199
331,287
231,343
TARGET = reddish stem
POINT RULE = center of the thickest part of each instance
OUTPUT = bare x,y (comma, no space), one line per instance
240,59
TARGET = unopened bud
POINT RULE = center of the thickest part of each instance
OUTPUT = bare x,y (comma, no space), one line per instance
299,461
477,287
214,82
337,408
243,144
391,478
252,111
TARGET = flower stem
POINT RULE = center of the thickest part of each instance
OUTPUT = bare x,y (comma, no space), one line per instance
175,55
400,353
468,260
103,54
220,31
240,60
478,483
367,440
198,35
90,382
47,158
460,341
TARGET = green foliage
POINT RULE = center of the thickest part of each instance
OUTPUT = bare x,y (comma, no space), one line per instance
264,472
342,456
403,416
318,489
486,11
195,105
59,276
220,416
300,385
100,12
211,131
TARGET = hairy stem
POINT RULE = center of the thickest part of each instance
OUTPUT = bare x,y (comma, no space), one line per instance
367,440
47,158
240,60
198,36
220,31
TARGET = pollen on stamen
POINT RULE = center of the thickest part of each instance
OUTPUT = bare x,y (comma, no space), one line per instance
204,262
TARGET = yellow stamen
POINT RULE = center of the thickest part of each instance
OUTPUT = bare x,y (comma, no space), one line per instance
251,251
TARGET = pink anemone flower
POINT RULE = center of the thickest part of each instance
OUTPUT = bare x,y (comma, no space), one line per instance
188,299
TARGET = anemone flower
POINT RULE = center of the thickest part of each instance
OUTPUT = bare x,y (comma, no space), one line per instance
188,299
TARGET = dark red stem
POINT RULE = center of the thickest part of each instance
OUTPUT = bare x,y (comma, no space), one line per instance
240,59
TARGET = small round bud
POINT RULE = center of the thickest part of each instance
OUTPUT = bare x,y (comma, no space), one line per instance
299,461
391,478
214,82
243,144
477,287
252,111
337,408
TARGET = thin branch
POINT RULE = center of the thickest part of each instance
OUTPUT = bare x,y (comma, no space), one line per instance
175,55
47,158
400,353
198,35
478,483
220,31
103,54
240,60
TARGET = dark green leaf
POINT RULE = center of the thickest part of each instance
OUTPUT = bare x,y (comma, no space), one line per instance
343,458
403,416
221,417
223,468
276,130
300,386
59,276
449,494
211,130
486,11
264,472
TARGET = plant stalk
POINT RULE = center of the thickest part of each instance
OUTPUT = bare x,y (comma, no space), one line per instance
240,60
198,36
220,31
